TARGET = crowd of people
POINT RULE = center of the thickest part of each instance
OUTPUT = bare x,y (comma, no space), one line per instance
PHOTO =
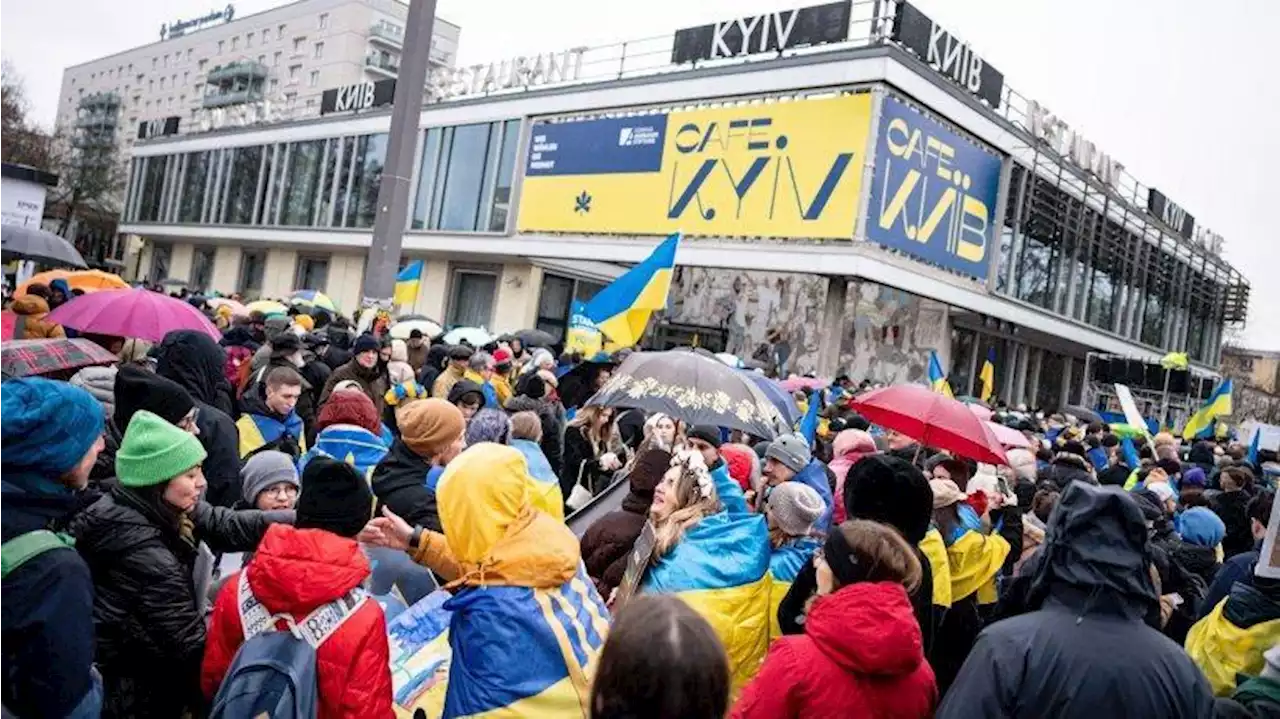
850,572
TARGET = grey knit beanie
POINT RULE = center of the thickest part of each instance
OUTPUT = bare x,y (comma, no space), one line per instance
794,508
791,450
264,470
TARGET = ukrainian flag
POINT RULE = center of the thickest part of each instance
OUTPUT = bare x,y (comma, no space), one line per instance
622,309
938,378
720,568
784,565
988,375
407,284
1200,424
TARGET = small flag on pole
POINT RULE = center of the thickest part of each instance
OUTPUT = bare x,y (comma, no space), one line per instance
938,378
407,284
988,376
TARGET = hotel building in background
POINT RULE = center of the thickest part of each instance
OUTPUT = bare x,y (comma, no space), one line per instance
857,188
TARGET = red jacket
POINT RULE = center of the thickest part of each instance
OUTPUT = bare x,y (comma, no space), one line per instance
860,656
295,571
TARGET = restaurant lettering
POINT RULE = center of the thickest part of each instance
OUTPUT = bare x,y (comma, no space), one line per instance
1060,138
524,71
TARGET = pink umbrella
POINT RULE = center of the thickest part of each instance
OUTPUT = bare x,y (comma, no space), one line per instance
1008,436
793,383
983,413
136,313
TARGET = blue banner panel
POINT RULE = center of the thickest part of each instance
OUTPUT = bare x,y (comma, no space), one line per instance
597,147
934,192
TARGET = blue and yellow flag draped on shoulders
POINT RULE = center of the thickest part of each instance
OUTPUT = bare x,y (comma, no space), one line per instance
937,378
1200,424
622,309
720,568
407,284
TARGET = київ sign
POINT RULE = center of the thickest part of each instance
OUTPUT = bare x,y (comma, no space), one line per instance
1170,213
947,54
769,32
790,169
360,96
160,127
934,192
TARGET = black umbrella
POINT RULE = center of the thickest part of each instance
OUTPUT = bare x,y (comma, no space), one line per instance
535,338
693,388
1081,413
32,243
578,384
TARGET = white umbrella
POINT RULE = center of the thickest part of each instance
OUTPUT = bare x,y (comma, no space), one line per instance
474,336
732,360
401,329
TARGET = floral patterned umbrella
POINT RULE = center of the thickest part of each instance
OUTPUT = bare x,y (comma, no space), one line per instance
693,388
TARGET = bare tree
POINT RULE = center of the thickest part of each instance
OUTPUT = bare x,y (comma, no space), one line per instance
91,177
21,141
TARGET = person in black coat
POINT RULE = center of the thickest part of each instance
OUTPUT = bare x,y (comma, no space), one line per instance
1087,647
138,389
431,435
530,396
140,541
587,456
51,437
607,544
286,351
431,369
1232,505
1068,465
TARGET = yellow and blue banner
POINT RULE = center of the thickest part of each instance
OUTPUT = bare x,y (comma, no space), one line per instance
1200,424
622,309
407,284
988,376
937,378
784,169
583,335
934,192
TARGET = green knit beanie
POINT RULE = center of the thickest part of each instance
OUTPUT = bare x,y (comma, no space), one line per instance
154,451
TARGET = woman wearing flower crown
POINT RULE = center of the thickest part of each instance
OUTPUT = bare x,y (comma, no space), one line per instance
713,552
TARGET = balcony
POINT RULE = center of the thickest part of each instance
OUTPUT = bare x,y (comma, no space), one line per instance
96,120
232,97
385,68
100,101
245,69
93,141
386,35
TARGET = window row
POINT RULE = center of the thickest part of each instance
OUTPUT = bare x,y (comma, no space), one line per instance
464,182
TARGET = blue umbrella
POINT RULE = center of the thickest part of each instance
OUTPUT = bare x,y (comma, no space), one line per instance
780,398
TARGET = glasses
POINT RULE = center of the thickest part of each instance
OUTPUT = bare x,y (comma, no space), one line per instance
282,490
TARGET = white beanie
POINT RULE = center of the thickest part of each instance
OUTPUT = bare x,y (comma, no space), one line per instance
794,508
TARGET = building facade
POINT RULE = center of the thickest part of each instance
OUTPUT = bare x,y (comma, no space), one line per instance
851,200
202,70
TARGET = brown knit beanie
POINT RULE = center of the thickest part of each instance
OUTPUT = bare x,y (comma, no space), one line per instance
428,426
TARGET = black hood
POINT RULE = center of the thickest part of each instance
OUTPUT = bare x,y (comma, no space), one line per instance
1095,554
437,355
1201,454
463,388
239,336
195,361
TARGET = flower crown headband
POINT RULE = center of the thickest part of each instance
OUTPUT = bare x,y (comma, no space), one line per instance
692,465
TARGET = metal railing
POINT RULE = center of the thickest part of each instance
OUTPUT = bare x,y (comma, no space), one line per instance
235,97
379,31
385,66
241,68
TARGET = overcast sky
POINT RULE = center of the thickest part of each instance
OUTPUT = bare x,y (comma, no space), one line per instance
1177,90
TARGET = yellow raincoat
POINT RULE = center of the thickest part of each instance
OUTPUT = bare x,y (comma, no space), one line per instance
1222,649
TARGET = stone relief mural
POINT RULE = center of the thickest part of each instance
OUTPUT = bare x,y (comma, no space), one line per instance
776,318
887,334
772,316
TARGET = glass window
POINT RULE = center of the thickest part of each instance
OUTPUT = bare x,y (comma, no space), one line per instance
161,256
200,65
313,80
202,259
323,20
343,169
194,183
427,177
319,50
371,153
300,182
253,266
297,44
242,185
1101,299
221,44
235,44
464,177
248,40
332,160
294,71
506,173
553,305
275,59
152,186
962,341
472,301
280,31
313,272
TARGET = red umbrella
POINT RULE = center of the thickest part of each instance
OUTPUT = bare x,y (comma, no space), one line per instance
136,313
931,419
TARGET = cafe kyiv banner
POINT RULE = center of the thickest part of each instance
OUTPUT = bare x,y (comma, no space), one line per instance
782,169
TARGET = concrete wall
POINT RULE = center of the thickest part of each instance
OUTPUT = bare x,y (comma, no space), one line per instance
516,306
346,273
180,262
226,269
277,280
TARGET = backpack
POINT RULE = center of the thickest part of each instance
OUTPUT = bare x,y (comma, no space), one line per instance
273,675
25,547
